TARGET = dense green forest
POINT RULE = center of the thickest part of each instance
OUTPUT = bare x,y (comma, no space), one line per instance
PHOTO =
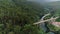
18,16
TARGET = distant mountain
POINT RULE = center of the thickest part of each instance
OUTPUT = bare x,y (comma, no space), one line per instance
54,4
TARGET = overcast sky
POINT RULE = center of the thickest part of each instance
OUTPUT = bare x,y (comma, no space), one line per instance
45,0
52,0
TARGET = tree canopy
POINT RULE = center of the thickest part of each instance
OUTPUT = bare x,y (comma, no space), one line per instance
17,17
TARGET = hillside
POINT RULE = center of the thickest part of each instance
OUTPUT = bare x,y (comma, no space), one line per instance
54,4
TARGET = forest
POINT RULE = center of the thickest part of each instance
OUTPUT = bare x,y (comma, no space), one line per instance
18,17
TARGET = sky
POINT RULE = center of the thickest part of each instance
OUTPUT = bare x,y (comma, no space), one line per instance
45,0
51,0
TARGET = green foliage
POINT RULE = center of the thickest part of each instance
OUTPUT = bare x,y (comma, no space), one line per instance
17,17
53,28
41,31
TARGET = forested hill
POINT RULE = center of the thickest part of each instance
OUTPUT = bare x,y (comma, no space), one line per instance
56,6
17,17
